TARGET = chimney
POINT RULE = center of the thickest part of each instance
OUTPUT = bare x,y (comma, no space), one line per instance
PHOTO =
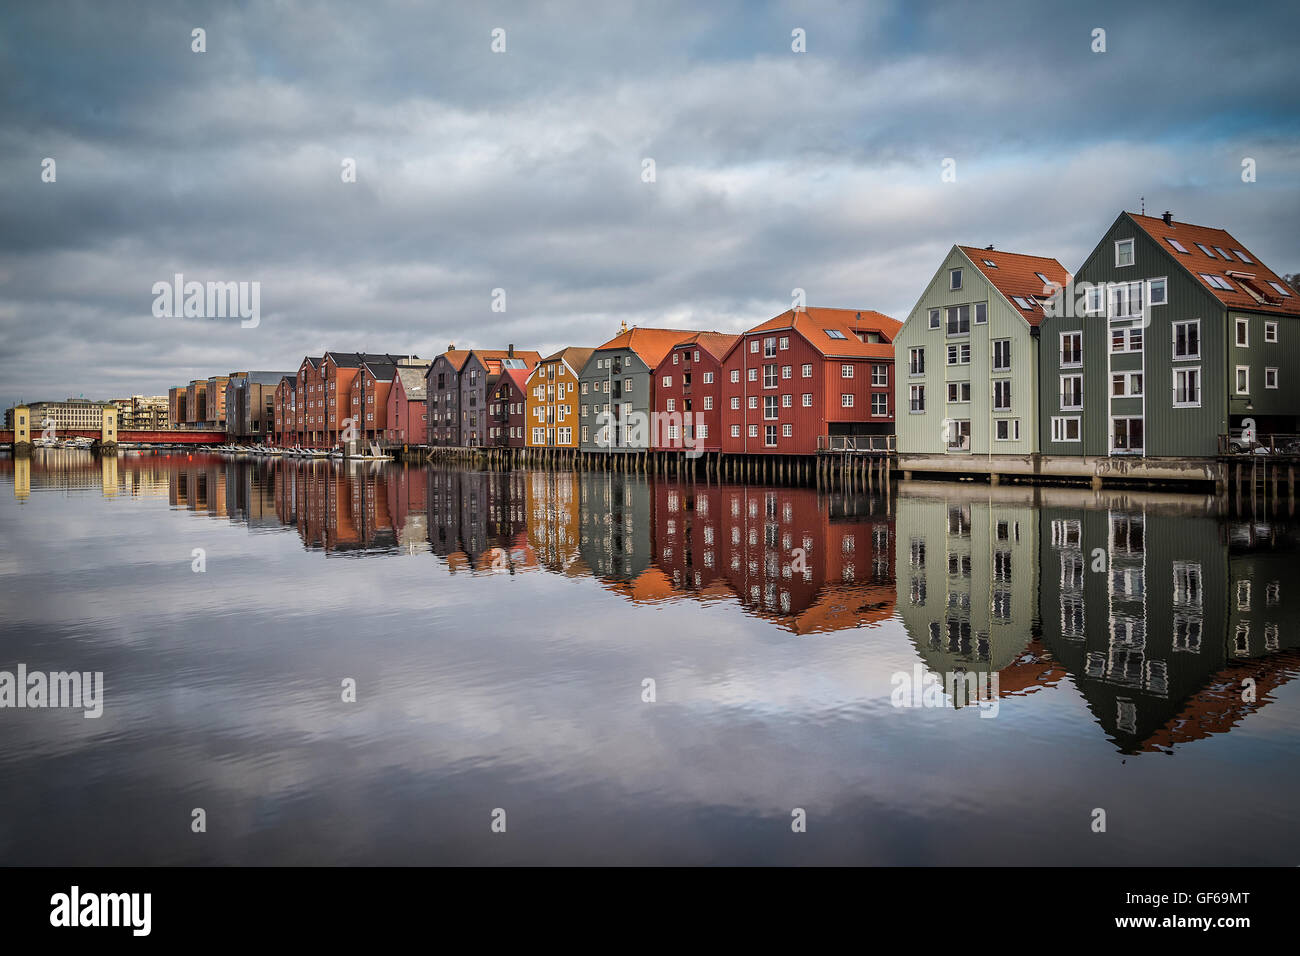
511,352
1168,217
451,347
989,247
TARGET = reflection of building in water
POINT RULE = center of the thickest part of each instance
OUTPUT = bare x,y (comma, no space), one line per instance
478,519
408,490
616,524
967,571
784,553
553,519
1135,606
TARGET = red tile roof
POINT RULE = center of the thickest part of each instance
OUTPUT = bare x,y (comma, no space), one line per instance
650,345
813,323
1241,276
718,344
1015,274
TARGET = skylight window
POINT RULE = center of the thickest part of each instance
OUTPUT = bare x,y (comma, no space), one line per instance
1205,249
835,334
1243,257
1280,289
990,263
1024,303
1043,279
1217,282
1222,254
1176,244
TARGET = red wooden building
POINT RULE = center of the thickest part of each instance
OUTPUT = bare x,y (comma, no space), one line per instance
408,406
805,375
688,383
507,395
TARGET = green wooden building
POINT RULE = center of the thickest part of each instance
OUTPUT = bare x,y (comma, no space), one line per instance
1171,336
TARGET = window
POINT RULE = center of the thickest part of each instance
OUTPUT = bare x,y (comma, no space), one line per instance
735,402
735,431
959,354
787,401
1065,429
917,399
846,371
1126,384
1092,301
880,404
959,320
753,401
958,431
769,435
1158,291
675,357
1243,257
990,263
1071,349
916,362
954,279
708,402
934,318
1126,339
769,347
1270,378
1071,391
1178,246
787,431
786,370
1001,355
784,342
880,375
807,399
753,431
735,375
708,378
834,334
754,346
846,400
1205,250
1280,289
958,392
1006,429
668,381
752,375
1217,282
1126,435
1024,303
769,406
1270,331
806,371
1002,395
1243,333
1126,300
981,313
671,405
769,376
1187,340
1124,252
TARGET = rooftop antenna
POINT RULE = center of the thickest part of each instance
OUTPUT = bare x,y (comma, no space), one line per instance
1144,204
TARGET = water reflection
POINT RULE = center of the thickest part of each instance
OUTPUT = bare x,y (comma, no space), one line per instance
1156,607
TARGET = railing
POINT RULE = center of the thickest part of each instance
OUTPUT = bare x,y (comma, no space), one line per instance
870,444
1235,443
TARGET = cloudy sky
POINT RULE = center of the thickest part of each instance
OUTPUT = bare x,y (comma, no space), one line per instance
522,170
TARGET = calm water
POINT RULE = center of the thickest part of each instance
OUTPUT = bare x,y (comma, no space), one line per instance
500,629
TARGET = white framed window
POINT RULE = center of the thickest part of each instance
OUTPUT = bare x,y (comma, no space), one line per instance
787,401
1126,300
880,375
753,431
708,378
916,361
1006,429
959,354
880,404
769,435
954,279
916,403
786,371
708,402
1126,339
958,393
1071,349
1280,289
754,345
753,375
1127,434
807,399
769,376
846,400
735,431
1270,378
981,313
704,431
670,405
934,318
1092,300
735,375
787,431
1187,387
1002,395
958,433
1158,291
958,320
753,401
846,371
1243,332
1270,331
668,379
1243,380
785,342
769,347
675,357
1187,340
1001,355
1126,384
1071,391
1065,428
1124,252
735,402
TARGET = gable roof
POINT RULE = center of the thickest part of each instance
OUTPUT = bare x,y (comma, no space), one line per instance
814,323
649,345
1014,274
1243,277
412,381
518,378
487,356
717,344
574,356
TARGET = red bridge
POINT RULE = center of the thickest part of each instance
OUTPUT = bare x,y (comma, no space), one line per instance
138,437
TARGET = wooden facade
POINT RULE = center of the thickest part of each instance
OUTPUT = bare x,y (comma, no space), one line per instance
551,413
687,390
